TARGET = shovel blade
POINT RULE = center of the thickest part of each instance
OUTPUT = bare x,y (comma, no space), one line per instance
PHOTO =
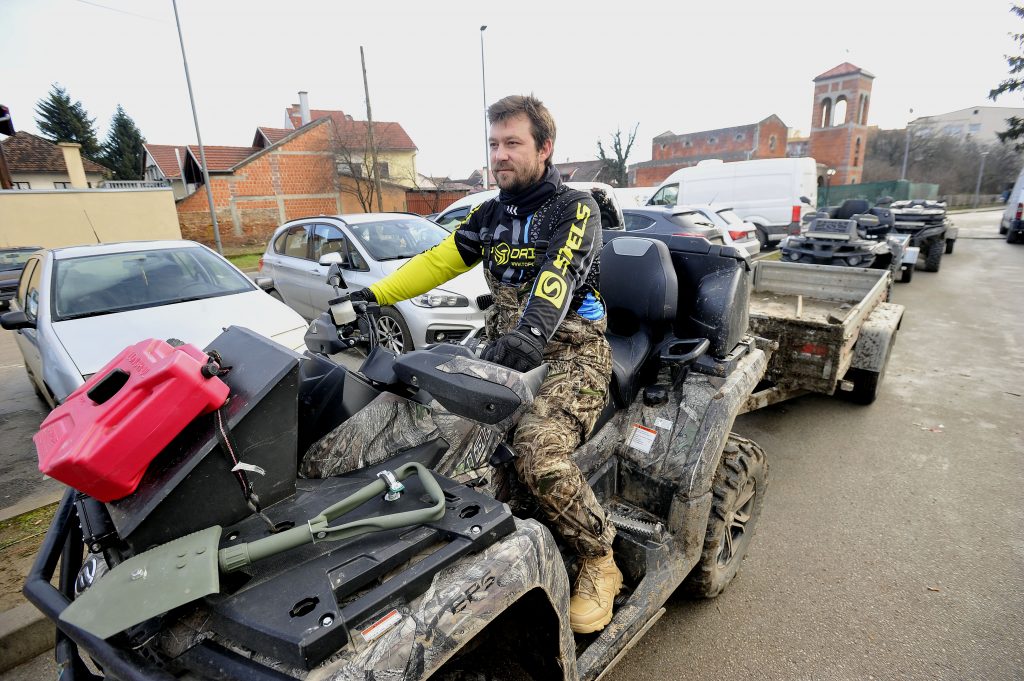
149,584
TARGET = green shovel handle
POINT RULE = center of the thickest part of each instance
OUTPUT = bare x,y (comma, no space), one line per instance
317,529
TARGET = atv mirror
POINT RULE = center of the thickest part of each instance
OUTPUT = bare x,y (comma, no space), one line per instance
334,276
804,199
12,321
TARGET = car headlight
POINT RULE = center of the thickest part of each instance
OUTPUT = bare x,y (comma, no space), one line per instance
439,298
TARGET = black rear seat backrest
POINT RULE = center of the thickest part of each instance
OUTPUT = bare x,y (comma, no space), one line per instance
851,207
638,285
714,292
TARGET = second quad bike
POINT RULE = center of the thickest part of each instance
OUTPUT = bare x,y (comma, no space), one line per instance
336,524
929,229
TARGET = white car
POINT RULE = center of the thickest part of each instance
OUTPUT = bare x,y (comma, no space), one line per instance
76,308
371,245
735,230
611,212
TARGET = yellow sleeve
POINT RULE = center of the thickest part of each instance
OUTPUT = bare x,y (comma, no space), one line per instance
422,273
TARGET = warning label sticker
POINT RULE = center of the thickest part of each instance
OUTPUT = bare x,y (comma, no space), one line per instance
381,626
664,424
641,438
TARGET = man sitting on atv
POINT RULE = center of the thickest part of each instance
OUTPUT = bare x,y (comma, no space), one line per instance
540,243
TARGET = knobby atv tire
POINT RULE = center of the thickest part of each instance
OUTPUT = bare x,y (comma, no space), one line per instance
950,243
737,498
933,258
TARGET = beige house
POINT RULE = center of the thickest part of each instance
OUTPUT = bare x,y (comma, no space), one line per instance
36,163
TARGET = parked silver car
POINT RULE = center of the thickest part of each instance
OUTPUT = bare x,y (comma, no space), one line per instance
76,308
371,245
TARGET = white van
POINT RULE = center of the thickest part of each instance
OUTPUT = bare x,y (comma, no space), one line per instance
1014,211
771,193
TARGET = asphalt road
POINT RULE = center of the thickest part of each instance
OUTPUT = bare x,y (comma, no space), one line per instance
892,540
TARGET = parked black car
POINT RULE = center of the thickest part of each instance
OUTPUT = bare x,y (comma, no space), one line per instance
12,260
671,220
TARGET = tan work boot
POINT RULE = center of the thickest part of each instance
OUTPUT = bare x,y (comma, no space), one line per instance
590,609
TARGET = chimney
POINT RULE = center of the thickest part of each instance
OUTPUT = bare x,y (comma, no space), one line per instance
304,106
73,161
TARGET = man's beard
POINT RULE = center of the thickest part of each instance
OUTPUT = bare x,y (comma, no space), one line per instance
520,179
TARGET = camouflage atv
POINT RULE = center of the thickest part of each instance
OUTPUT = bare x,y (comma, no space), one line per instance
929,229
430,573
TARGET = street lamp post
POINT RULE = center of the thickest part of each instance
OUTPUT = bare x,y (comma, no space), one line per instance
483,77
828,183
906,150
981,171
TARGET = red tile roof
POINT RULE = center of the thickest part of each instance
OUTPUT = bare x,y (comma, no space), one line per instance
26,153
163,155
388,135
274,135
844,69
222,159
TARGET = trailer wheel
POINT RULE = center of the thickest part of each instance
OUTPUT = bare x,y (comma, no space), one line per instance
907,274
949,245
738,496
865,385
933,257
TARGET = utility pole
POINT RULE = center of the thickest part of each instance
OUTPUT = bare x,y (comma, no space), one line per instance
906,151
199,138
369,125
981,171
483,76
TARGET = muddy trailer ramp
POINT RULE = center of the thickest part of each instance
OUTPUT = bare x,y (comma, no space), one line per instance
833,327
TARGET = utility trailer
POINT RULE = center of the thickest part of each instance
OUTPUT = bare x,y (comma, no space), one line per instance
833,326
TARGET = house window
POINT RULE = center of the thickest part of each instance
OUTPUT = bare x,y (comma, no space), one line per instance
62,185
863,110
382,169
686,143
974,127
856,153
740,136
712,140
771,143
22,185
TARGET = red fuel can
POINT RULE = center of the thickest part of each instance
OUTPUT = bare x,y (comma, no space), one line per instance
102,438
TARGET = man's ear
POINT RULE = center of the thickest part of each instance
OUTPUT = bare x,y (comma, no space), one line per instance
546,150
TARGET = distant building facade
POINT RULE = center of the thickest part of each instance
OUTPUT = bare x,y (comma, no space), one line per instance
839,121
670,152
980,124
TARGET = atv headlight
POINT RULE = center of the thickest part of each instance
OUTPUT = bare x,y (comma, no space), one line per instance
439,298
853,260
793,255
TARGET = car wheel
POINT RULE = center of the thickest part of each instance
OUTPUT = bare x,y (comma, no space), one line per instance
1012,236
738,496
762,238
392,331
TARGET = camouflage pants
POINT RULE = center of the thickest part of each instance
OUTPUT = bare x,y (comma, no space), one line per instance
563,414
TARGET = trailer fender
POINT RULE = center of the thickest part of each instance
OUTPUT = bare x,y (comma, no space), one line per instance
877,336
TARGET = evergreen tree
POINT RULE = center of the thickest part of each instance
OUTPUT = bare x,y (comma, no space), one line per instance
1015,126
122,151
61,120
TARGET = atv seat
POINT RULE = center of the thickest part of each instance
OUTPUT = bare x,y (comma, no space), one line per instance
851,207
639,288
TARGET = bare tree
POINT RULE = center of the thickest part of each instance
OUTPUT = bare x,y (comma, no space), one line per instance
617,166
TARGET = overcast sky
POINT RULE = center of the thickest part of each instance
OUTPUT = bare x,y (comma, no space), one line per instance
677,66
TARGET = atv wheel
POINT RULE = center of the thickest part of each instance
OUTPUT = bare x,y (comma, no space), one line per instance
738,495
933,257
949,245
907,274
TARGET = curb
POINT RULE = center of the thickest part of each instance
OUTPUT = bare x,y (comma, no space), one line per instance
24,634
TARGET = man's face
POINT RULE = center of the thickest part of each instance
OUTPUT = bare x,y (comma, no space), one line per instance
515,159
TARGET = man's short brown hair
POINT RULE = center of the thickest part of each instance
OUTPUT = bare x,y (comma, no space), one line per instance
541,122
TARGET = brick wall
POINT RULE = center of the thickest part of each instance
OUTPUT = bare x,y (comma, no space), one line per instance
835,142
294,180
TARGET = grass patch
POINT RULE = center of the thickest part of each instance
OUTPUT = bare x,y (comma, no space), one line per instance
245,261
25,526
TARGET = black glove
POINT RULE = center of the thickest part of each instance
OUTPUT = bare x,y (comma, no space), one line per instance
517,350
362,295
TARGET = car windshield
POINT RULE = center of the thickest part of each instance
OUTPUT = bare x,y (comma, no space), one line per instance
399,238
114,282
13,260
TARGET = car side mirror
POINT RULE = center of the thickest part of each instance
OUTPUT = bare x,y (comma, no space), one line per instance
12,321
331,258
804,199
265,283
